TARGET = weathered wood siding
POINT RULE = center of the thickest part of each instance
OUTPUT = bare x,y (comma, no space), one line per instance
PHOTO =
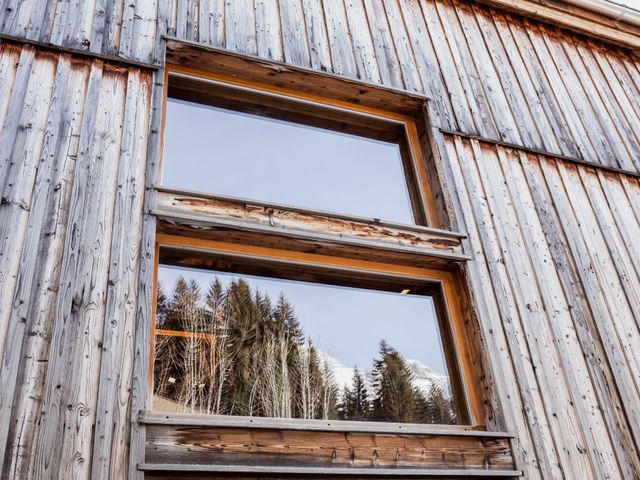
488,73
555,273
72,147
556,276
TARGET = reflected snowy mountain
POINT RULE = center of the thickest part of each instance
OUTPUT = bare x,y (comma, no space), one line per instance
423,375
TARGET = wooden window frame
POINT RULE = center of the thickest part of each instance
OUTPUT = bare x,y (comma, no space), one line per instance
328,112
433,266
449,315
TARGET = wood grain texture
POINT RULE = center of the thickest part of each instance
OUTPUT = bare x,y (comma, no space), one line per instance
289,221
291,448
555,223
489,72
68,159
555,268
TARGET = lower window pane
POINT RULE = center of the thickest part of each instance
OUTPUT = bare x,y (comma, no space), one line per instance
229,344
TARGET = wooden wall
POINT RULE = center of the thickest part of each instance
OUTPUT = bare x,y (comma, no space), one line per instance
556,276
72,158
488,73
556,268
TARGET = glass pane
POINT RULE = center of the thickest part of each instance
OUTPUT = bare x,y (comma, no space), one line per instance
258,346
230,153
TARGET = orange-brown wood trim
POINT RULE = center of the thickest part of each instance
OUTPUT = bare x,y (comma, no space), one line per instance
287,92
154,303
446,279
183,333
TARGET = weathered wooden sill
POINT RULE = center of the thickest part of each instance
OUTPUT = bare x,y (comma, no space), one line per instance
211,217
218,445
159,418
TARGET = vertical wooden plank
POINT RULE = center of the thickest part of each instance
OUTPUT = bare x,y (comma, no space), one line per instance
112,429
632,189
99,24
317,35
404,50
506,124
9,63
144,31
268,30
63,440
42,20
383,46
363,48
126,29
105,34
143,319
340,41
240,22
552,329
21,162
77,31
22,374
427,66
511,364
20,139
455,89
465,69
211,29
294,34
183,12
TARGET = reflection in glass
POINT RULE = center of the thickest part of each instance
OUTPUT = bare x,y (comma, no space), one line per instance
229,153
274,348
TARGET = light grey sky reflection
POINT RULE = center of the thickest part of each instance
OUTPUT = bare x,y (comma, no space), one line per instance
346,323
229,153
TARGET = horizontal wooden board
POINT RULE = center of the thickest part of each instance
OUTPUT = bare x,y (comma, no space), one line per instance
195,420
486,71
246,448
285,220
304,80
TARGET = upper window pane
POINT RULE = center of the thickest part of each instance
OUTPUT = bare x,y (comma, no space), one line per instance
225,152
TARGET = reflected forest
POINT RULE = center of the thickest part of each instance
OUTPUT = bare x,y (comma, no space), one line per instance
231,350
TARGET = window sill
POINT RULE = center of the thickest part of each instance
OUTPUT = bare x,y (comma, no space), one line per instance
198,444
243,221
178,419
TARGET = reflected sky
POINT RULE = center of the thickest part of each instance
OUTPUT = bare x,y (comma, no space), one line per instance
346,323
229,153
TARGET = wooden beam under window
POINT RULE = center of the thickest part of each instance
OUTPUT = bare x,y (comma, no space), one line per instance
251,222
175,448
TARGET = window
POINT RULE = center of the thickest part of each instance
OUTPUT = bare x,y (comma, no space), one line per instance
297,276
285,151
239,340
